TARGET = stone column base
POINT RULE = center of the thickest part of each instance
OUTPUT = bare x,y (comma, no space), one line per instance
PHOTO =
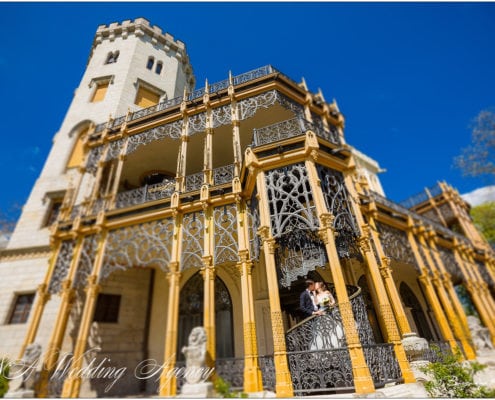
197,390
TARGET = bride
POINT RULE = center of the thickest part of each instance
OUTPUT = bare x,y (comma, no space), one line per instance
327,327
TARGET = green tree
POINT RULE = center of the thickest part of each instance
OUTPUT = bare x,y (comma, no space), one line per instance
484,219
478,158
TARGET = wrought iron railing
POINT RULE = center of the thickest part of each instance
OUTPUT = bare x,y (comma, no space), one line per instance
232,371
434,353
423,196
292,128
144,194
222,175
267,367
383,365
193,182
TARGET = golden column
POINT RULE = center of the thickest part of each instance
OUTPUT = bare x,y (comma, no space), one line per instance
444,298
362,378
283,381
381,300
472,287
58,332
430,293
72,384
446,280
168,386
469,251
252,373
41,299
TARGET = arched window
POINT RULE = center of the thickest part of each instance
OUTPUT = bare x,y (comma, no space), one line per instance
77,155
191,315
149,64
410,300
159,66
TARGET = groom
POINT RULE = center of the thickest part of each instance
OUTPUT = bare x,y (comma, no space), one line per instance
307,301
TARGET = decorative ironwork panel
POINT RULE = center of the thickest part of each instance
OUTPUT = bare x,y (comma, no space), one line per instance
383,365
192,240
75,211
196,123
98,205
363,325
338,203
248,107
117,121
196,94
222,175
130,197
298,253
225,233
447,212
221,116
290,200
160,191
254,74
172,130
93,159
144,112
216,87
144,245
485,274
280,131
433,215
253,215
232,371
422,254
267,367
62,265
100,127
321,371
86,260
396,245
194,181
331,133
434,353
450,262
114,149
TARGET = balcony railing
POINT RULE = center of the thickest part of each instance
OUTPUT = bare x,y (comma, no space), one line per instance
215,87
422,197
144,194
291,128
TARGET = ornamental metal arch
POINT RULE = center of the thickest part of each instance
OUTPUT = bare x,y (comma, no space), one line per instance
192,240
144,245
225,234
86,260
62,264
396,245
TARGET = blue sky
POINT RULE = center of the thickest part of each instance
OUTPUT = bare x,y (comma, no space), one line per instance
408,77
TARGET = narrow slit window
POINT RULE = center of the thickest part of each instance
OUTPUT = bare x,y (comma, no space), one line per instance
150,63
100,91
159,66
112,57
22,308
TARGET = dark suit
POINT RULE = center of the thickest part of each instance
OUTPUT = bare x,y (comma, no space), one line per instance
306,304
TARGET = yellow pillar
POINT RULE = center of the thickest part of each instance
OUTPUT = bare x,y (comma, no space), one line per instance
208,273
363,381
431,294
445,301
168,385
58,332
283,381
41,299
252,374
487,297
72,384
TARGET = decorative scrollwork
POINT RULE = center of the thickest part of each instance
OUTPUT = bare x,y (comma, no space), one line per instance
222,175
192,240
144,245
196,123
383,365
194,182
93,159
396,245
339,205
61,266
172,130
114,149
221,116
290,200
225,233
280,131
86,260
253,216
450,263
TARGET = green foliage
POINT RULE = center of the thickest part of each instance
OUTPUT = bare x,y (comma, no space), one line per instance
484,219
223,389
478,158
4,373
453,378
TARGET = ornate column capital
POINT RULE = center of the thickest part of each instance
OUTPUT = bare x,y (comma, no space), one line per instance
384,268
364,244
327,220
264,232
43,293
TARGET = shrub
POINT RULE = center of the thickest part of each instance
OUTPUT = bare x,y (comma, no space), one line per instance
223,389
453,378
4,374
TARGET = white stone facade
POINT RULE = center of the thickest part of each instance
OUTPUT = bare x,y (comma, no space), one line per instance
24,263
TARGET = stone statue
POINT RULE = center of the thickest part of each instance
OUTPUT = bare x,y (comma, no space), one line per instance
480,334
195,353
196,372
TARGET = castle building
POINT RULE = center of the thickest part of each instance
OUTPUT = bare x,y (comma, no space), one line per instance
162,207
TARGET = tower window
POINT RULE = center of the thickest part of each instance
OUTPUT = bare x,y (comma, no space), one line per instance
150,63
21,309
112,57
107,308
159,66
54,211
76,158
146,97
100,91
